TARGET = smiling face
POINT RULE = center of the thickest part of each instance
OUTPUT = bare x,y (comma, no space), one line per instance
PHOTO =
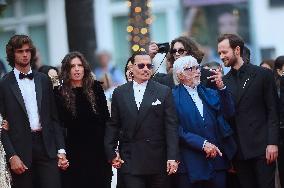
142,68
76,72
227,54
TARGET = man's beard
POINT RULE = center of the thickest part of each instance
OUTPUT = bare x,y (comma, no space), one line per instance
195,81
23,65
231,62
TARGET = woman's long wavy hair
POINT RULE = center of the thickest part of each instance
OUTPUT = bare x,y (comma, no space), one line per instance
66,86
190,46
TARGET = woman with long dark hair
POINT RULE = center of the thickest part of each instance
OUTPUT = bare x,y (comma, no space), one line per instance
83,111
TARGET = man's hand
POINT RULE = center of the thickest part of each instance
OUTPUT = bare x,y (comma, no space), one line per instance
211,150
172,167
117,161
217,78
271,153
63,163
153,49
17,166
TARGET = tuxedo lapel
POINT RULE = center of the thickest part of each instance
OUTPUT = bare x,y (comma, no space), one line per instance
245,83
38,90
146,104
129,97
16,91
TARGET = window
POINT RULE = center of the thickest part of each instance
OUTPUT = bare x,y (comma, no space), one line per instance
25,17
4,38
159,27
32,7
275,3
121,44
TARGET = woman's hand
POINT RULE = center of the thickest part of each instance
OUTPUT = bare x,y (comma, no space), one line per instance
153,49
5,125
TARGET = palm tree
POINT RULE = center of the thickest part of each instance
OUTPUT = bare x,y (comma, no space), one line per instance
81,27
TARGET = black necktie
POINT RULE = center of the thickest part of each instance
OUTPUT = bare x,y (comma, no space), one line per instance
29,76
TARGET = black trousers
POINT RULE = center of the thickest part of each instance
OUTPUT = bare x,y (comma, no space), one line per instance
43,173
218,181
281,162
255,173
145,181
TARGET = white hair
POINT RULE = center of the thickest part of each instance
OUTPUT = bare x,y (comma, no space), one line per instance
180,64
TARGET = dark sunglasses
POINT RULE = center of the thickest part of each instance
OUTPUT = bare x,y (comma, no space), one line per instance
193,68
180,51
142,65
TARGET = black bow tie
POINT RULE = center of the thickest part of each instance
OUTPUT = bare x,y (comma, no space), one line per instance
29,76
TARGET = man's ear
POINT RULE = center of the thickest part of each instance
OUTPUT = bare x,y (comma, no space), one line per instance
237,51
131,67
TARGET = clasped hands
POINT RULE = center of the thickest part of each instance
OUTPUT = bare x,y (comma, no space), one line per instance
172,165
5,125
211,150
18,166
63,162
117,161
271,153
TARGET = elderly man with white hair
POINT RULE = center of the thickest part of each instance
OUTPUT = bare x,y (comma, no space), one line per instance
206,143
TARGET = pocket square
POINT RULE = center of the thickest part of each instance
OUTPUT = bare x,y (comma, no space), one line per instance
156,102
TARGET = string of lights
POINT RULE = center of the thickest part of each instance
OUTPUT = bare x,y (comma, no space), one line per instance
139,23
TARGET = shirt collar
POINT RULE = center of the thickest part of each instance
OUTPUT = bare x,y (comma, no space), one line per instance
240,70
17,72
190,89
143,84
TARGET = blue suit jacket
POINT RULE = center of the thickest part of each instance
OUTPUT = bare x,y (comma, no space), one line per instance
193,130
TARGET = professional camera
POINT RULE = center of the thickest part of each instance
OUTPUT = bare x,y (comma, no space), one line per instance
163,47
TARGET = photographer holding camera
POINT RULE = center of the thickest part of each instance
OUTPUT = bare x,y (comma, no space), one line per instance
179,47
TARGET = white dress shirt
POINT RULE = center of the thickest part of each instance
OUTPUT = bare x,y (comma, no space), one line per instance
139,90
195,97
28,92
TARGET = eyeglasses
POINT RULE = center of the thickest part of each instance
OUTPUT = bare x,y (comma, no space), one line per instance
142,65
192,69
180,51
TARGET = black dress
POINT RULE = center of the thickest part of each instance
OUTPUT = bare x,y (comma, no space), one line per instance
85,140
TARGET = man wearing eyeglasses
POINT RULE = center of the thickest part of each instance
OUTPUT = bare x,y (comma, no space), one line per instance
206,143
145,124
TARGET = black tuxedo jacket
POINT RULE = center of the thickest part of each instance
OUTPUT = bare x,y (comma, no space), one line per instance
256,121
18,139
148,137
